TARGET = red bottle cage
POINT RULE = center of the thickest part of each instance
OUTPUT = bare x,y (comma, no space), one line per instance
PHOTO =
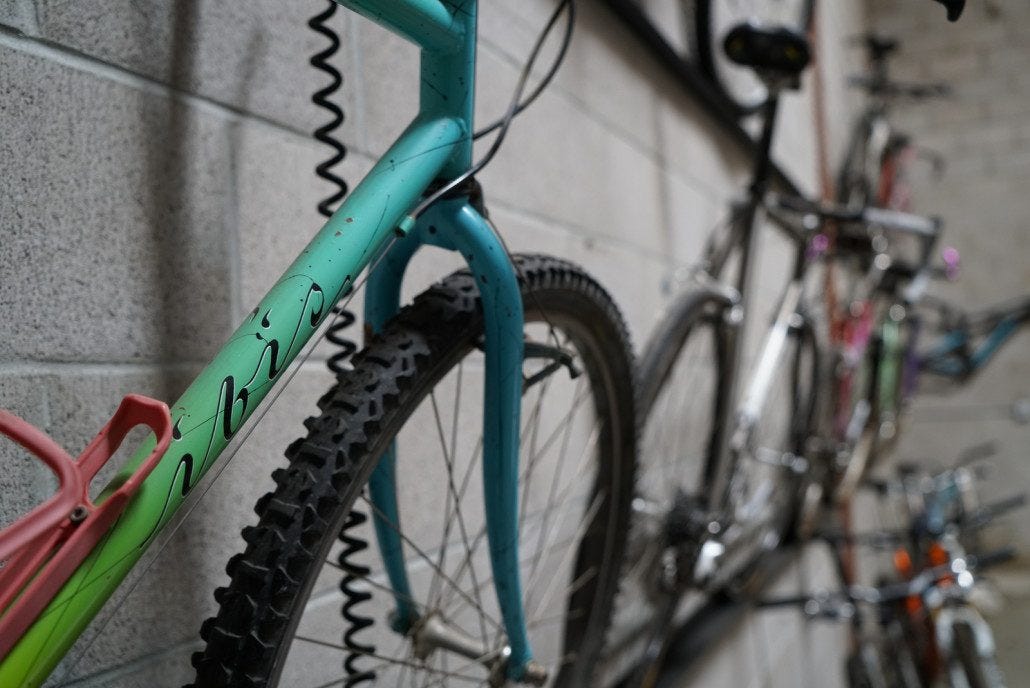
39,551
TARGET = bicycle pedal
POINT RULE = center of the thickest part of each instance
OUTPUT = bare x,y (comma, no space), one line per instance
41,550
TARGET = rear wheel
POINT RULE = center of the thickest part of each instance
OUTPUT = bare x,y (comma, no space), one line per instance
679,398
684,395
419,384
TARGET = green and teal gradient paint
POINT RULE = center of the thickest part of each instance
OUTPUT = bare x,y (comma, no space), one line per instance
437,144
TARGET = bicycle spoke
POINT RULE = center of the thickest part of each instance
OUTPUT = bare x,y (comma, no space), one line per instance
683,408
441,561
457,408
367,579
434,600
425,557
686,409
444,538
486,583
445,598
581,464
387,661
559,465
532,428
570,551
452,492
593,438
409,659
441,681
561,425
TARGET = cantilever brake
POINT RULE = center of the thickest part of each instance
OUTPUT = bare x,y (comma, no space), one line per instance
559,357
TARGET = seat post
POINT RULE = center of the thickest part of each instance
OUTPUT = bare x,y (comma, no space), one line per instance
763,157
759,182
778,55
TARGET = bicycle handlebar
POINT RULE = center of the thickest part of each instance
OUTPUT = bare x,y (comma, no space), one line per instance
905,223
893,89
976,519
890,220
928,578
827,603
989,512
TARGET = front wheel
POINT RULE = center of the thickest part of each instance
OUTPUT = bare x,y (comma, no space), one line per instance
285,619
974,667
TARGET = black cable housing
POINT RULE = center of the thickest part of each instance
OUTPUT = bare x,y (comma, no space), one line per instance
516,106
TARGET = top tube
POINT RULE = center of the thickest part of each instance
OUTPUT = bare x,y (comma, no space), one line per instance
429,24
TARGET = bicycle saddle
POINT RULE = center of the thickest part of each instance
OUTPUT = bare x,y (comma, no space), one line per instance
777,50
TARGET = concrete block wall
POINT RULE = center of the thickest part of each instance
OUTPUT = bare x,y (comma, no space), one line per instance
157,175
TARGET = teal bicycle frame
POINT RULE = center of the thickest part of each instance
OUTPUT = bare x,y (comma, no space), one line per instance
437,145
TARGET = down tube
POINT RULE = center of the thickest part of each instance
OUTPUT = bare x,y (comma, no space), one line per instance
219,401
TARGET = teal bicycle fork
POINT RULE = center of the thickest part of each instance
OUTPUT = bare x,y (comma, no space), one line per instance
437,145
455,225
447,33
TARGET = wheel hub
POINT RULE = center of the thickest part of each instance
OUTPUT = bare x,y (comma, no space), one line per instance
433,632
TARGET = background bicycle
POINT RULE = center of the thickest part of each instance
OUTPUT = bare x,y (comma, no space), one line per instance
924,619
985,167
970,414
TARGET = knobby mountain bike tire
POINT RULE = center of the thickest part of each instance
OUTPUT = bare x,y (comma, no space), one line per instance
714,18
681,398
576,477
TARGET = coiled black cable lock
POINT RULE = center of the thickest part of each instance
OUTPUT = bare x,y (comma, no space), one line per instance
337,363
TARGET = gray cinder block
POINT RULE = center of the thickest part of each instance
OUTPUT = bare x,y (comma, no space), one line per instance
252,57
111,239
